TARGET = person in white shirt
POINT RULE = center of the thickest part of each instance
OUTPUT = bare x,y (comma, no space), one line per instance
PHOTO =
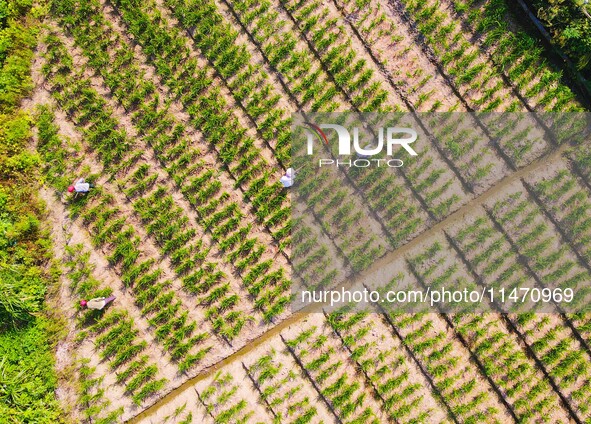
80,186
288,179
97,303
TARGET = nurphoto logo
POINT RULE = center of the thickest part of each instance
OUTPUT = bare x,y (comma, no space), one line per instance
390,137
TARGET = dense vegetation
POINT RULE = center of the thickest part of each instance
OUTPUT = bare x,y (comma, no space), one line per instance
26,364
570,26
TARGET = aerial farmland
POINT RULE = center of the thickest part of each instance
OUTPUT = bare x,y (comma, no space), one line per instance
159,225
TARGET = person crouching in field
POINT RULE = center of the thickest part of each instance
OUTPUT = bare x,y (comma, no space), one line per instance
80,186
288,179
97,303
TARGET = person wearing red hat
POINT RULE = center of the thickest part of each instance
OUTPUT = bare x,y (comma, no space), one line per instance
97,303
80,186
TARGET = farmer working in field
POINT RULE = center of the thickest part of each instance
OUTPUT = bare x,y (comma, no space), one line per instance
80,186
97,303
288,178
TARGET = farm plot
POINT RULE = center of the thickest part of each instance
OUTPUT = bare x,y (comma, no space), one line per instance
167,320
496,344
170,234
264,265
181,113
218,213
116,366
429,179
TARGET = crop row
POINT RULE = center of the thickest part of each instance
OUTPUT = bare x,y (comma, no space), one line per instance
329,43
510,133
92,396
314,91
378,28
103,329
293,72
386,384
465,357
427,79
580,161
462,61
264,208
367,368
569,204
520,125
529,79
538,243
326,370
313,263
456,375
231,395
141,181
341,216
471,72
511,136
269,32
